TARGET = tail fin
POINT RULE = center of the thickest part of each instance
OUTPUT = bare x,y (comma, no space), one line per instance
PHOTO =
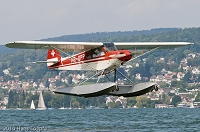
53,56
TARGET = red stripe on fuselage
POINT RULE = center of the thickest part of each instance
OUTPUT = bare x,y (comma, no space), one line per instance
68,62
82,58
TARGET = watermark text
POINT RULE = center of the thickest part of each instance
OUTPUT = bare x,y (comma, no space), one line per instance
25,128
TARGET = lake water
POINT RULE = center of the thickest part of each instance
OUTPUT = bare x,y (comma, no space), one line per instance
133,120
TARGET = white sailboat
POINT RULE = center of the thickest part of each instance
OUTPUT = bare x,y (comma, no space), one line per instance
41,105
70,107
32,105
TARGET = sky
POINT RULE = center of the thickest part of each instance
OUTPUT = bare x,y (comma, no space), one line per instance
40,19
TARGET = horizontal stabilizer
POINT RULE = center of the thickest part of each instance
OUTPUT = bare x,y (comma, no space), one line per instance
44,62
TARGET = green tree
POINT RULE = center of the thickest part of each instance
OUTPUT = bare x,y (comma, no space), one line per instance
47,83
57,101
114,104
198,79
187,76
131,101
141,101
147,72
76,104
175,100
182,90
1,96
10,99
47,98
181,84
70,80
197,99
165,99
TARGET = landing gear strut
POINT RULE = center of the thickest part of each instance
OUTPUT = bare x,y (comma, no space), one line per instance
116,86
155,88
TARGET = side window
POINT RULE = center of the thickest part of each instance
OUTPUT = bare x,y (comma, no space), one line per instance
89,54
93,53
100,51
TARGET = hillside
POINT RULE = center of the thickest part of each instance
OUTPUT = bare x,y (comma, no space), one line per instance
17,61
98,36
157,64
5,50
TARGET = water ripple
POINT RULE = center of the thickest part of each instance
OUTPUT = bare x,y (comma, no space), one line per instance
144,120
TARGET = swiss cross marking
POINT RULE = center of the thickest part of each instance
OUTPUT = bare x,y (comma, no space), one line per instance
52,53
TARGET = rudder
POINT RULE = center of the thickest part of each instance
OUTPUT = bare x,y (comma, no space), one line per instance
53,56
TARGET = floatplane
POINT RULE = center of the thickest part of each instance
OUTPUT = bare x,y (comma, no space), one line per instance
98,57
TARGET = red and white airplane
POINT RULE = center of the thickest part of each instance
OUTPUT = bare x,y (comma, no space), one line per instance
95,56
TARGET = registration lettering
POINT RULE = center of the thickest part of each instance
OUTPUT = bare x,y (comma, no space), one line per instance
77,58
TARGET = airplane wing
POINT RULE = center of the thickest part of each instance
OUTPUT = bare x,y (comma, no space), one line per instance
150,45
84,46
64,46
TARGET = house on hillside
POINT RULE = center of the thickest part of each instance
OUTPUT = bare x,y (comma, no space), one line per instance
1,78
180,75
25,85
35,85
185,67
192,55
168,79
159,78
163,106
6,71
28,68
3,103
75,80
65,80
170,62
57,77
183,61
51,80
137,76
161,60
163,71
120,82
137,65
195,71
120,99
153,78
42,87
110,99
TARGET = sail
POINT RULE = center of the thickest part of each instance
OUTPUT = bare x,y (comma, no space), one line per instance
41,105
32,105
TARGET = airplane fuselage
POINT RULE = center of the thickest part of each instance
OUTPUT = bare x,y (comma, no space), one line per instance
90,61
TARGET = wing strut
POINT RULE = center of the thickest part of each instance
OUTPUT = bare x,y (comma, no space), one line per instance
89,78
124,76
100,76
144,53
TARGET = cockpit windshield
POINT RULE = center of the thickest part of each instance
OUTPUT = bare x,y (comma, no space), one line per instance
110,46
